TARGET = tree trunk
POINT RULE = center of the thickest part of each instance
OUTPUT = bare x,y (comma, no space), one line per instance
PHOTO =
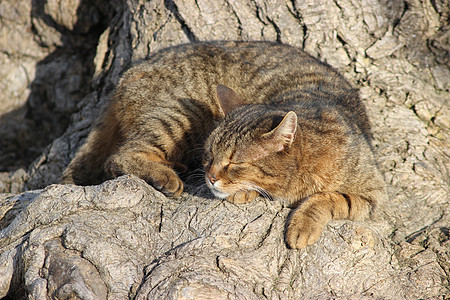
122,239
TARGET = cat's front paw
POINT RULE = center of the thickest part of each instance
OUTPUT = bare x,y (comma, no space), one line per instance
160,176
242,197
166,181
302,230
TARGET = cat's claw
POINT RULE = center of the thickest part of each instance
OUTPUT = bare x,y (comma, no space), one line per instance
242,197
302,231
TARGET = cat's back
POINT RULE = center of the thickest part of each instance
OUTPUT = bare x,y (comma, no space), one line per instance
245,65
260,72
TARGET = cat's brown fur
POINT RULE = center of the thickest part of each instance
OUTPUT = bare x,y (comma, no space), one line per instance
280,124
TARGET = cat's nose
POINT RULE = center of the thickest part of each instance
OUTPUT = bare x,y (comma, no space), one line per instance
212,178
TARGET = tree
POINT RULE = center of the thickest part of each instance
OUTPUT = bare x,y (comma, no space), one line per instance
124,239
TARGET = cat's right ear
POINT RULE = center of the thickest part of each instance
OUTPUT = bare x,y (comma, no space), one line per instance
228,99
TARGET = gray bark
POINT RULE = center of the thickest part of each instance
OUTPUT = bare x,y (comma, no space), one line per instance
122,239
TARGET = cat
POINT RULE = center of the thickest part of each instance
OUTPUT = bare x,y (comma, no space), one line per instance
266,118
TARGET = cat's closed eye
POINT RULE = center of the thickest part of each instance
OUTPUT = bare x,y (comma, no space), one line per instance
234,170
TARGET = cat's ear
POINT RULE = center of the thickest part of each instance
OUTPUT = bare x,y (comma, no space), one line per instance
283,135
228,99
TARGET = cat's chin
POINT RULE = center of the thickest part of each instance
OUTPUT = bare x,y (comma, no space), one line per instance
218,193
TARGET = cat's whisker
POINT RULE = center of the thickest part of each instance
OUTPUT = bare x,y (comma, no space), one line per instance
200,187
196,149
197,174
264,193
195,181
250,186
196,171
194,176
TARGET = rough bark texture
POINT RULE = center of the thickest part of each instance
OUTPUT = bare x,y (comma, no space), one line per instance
122,239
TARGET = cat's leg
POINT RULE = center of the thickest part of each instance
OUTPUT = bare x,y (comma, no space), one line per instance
306,222
148,164
242,197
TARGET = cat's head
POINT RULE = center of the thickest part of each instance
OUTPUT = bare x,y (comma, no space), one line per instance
249,149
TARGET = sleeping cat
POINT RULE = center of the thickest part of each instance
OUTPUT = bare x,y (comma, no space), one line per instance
267,118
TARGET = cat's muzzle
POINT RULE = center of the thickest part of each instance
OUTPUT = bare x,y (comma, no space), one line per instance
214,189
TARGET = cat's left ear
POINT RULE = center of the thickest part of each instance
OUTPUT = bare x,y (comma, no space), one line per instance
228,99
283,135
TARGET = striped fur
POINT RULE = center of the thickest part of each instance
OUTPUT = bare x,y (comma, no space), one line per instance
268,119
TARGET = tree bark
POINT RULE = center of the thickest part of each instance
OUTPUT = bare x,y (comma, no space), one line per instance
122,239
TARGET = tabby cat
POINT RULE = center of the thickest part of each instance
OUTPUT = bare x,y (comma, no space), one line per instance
267,118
